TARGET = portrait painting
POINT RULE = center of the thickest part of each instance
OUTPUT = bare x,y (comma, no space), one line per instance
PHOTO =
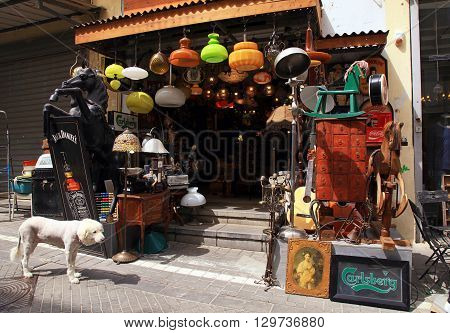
308,271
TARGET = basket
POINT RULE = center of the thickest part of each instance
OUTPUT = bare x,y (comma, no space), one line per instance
21,185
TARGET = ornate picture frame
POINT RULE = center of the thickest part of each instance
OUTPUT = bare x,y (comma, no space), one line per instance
308,268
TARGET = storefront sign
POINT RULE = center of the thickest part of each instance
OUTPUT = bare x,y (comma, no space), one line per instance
72,167
369,281
121,121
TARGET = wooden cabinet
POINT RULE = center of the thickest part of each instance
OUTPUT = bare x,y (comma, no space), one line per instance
341,160
144,209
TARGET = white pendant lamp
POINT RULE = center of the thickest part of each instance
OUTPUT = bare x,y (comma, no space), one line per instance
169,96
135,73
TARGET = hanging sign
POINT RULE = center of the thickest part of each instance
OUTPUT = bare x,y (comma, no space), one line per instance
370,281
72,167
121,121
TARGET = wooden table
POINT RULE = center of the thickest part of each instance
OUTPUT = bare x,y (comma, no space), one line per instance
145,209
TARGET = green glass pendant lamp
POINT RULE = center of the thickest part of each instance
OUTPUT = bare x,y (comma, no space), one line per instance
214,52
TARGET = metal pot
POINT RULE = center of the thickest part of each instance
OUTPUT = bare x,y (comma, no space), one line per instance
291,63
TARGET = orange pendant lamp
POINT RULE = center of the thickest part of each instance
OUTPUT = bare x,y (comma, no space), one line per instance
316,57
184,56
246,57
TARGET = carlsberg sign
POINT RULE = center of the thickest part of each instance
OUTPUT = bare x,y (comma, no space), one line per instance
358,280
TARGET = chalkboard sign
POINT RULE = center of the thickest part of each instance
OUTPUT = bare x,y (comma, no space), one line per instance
72,168
370,281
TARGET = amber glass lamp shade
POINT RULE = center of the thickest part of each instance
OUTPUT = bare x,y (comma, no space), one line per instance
184,56
246,57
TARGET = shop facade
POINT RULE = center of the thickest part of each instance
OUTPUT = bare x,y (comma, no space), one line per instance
388,20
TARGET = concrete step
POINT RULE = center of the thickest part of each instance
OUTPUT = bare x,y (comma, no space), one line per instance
235,236
233,212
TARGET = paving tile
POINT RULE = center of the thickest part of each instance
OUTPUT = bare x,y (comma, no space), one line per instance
229,301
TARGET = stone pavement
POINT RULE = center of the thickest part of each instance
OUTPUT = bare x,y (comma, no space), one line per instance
185,278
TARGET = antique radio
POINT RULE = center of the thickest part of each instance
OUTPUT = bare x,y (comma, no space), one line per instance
341,160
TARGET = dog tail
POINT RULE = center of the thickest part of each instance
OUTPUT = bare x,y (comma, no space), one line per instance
16,252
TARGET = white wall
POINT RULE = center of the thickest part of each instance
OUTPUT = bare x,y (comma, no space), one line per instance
348,16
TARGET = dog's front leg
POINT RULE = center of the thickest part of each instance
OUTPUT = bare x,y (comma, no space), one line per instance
73,257
70,266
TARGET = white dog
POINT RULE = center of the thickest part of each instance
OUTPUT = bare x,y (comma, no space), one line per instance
68,235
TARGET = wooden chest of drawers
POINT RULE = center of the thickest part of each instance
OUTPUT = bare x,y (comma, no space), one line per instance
341,160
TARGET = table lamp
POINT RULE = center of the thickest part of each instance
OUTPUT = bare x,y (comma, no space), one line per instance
127,143
153,145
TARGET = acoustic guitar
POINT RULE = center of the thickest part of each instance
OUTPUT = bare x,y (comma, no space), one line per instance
302,219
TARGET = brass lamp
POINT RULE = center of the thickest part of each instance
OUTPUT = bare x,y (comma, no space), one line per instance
127,143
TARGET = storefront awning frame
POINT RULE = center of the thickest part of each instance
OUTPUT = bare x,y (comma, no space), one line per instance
185,16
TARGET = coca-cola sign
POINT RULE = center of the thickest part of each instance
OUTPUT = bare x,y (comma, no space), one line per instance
378,116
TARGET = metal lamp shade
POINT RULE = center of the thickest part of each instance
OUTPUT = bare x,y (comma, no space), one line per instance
135,73
127,142
139,102
170,97
159,63
153,146
214,53
291,63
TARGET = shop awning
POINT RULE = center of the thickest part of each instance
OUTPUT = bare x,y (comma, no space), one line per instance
171,14
19,14
354,40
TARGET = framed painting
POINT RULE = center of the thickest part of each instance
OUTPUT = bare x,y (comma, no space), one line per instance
308,268
370,281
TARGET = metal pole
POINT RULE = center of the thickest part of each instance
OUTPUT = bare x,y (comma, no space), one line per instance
125,204
292,159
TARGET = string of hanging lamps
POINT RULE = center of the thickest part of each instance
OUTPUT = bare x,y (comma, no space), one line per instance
134,72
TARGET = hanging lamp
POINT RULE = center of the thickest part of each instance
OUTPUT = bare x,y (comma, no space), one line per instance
159,63
134,72
184,56
169,96
196,90
139,102
317,58
114,72
214,52
246,57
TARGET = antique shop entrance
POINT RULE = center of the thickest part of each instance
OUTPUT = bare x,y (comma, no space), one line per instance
227,129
